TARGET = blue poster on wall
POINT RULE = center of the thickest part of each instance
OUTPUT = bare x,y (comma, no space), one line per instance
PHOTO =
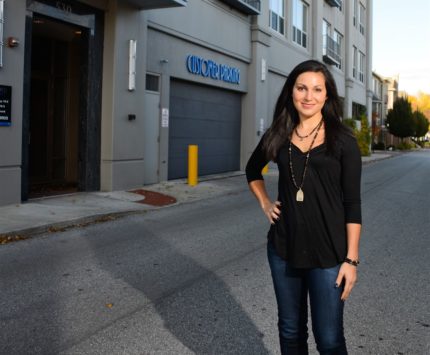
5,105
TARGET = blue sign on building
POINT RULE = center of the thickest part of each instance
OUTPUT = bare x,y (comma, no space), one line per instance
5,105
210,69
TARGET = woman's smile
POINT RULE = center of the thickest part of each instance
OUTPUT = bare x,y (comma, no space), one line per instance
306,105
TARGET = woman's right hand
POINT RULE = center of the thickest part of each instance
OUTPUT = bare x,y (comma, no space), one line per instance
272,211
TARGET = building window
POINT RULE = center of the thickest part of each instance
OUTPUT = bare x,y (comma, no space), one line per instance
361,18
338,47
354,62
376,88
152,82
277,16
354,11
300,23
358,110
361,67
325,32
332,45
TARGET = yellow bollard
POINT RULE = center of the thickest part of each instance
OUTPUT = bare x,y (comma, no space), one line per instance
265,169
192,164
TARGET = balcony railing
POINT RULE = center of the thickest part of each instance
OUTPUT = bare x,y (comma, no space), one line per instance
331,51
334,3
250,7
156,4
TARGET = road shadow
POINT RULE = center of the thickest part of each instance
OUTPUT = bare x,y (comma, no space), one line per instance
196,305
29,308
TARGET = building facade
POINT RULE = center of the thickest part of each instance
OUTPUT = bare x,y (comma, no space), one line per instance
108,94
385,92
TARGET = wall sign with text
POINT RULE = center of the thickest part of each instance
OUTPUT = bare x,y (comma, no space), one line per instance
210,69
5,105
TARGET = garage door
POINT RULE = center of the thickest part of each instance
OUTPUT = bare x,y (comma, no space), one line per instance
208,117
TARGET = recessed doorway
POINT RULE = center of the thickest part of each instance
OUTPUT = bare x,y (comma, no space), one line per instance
62,98
54,107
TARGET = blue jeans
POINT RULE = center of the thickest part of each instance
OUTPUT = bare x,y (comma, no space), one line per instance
291,288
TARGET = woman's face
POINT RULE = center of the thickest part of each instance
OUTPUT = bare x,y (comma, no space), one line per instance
309,94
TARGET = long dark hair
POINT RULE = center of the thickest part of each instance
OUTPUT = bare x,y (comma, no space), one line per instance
286,117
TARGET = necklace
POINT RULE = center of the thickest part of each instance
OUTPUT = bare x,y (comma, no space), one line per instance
300,196
303,137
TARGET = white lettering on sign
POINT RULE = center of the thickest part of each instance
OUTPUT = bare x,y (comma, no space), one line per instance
64,7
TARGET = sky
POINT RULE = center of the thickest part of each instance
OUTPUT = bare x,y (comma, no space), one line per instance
401,42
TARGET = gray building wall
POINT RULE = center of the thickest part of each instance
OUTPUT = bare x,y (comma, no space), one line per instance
264,57
122,142
12,74
165,37
207,28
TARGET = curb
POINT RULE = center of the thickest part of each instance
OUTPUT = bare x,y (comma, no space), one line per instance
27,233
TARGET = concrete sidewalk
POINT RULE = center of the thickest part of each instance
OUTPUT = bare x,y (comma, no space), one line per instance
65,211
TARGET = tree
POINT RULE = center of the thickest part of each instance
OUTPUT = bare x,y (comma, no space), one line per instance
421,102
421,124
400,119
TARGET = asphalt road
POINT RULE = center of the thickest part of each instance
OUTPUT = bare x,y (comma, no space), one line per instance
193,278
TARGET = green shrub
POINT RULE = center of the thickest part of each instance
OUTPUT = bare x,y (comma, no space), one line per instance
420,143
404,146
363,136
349,122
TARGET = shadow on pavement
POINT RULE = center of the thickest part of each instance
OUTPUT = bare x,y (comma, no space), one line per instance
195,305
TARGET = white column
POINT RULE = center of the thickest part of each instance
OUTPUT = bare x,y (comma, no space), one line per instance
349,82
369,31
316,26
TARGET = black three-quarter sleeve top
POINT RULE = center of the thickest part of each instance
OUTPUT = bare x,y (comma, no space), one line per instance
312,233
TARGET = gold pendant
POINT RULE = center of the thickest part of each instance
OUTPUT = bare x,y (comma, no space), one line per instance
300,196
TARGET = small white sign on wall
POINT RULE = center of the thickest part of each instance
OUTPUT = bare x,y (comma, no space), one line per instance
132,64
164,117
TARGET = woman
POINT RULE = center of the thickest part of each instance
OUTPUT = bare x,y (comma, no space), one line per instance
316,221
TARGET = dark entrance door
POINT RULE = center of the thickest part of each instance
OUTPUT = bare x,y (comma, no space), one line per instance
62,98
54,107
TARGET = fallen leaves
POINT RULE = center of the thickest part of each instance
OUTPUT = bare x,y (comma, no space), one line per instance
9,238
54,229
4,239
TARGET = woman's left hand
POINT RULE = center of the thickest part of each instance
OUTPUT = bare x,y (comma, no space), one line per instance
347,275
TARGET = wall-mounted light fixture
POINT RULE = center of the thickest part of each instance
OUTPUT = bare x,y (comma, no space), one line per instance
132,50
12,42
